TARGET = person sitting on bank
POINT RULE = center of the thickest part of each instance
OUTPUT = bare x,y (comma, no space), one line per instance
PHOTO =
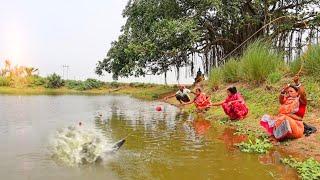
199,77
234,105
182,95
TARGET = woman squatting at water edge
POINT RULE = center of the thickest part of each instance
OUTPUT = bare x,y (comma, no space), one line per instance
201,101
234,105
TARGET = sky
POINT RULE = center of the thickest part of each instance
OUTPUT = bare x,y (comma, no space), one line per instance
48,34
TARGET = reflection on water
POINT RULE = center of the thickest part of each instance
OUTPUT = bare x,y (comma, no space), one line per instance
165,144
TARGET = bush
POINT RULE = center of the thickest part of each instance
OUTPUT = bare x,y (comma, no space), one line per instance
93,83
73,84
54,81
84,85
36,81
231,71
114,84
312,61
259,61
4,81
215,78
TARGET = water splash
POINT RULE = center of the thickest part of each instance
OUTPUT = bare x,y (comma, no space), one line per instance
75,146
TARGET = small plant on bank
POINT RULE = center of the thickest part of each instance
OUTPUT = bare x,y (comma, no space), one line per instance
258,145
308,169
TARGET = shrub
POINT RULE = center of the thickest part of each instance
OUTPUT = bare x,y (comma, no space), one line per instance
93,83
4,81
312,61
231,71
36,81
114,84
259,61
54,81
215,77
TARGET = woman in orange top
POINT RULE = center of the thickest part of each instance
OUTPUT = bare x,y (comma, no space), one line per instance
201,101
286,124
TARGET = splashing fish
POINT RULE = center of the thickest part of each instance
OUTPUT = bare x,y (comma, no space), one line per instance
76,146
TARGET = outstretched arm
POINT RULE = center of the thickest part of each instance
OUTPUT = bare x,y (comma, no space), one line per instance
170,96
218,103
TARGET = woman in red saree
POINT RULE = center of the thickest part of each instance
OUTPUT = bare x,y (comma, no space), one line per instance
234,105
288,123
201,101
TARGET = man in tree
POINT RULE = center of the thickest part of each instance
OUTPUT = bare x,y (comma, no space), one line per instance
182,95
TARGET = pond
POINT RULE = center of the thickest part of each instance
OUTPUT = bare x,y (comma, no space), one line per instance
166,144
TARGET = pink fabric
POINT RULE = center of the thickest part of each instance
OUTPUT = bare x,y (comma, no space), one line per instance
202,101
235,110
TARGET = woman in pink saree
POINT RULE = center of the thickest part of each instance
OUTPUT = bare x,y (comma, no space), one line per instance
234,105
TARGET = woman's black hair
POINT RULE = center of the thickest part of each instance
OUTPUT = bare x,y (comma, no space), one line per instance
232,89
294,87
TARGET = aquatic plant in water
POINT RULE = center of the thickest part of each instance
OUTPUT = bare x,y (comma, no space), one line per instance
308,169
255,146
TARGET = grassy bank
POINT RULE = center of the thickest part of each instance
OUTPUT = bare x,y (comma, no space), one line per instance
137,90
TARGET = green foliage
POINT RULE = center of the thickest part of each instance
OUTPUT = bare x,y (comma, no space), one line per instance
255,146
312,61
215,77
231,71
163,34
36,80
295,66
93,83
115,84
274,77
4,81
54,81
84,85
308,169
259,61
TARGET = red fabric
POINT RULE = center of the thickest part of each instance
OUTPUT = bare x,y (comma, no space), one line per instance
235,110
268,129
302,110
202,101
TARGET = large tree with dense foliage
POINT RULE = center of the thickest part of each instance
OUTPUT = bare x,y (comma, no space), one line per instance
163,34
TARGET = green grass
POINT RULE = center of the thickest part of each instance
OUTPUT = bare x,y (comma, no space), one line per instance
312,61
259,61
231,71
215,78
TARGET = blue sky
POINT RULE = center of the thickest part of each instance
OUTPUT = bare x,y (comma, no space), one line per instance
48,34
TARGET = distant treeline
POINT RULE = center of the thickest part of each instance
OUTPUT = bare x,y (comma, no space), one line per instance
21,76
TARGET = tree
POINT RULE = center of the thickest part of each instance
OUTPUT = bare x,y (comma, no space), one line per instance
163,34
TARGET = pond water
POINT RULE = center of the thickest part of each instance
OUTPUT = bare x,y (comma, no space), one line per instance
166,144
